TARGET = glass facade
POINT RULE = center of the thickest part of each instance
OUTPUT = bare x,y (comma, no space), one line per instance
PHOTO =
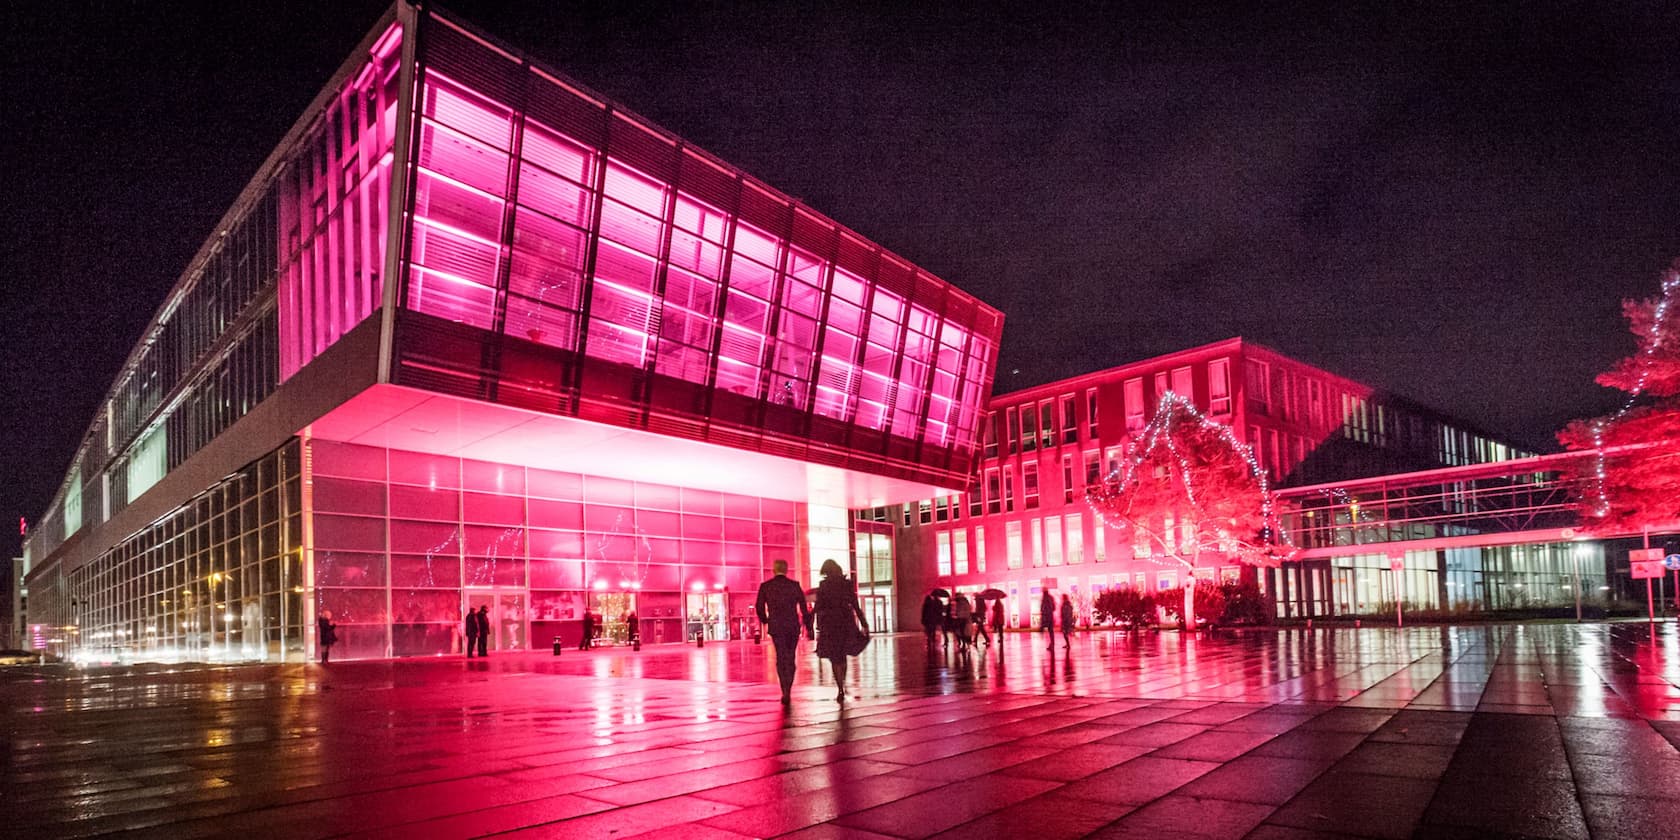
565,256
401,542
220,578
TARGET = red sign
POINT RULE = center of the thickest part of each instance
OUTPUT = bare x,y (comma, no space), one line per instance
1645,555
1646,568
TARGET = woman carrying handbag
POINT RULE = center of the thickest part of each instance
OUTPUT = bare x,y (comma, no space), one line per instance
842,630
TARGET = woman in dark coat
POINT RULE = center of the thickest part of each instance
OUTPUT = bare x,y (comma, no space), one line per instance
326,635
839,618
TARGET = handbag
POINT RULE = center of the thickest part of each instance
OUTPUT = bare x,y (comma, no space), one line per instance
858,640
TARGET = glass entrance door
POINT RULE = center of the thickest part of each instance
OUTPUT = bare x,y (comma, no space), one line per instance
706,613
876,609
508,628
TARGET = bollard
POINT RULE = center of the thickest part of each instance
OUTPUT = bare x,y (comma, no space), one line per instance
1309,624
1356,624
556,645
700,639
755,638
636,643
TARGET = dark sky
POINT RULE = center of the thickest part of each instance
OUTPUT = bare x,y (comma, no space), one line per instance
1443,204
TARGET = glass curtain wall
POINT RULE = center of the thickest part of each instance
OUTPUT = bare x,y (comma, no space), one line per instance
402,540
220,579
634,274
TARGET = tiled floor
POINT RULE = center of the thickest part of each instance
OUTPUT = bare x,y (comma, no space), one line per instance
1552,730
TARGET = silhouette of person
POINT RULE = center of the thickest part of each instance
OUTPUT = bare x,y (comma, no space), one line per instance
782,611
471,630
588,640
839,618
1047,617
326,635
483,630
1067,622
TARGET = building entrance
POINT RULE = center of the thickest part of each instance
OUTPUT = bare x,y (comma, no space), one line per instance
706,613
508,622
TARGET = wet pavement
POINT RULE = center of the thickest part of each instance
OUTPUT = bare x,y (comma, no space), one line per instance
1551,730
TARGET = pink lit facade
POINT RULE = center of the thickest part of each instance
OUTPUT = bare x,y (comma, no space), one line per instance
1023,525
509,346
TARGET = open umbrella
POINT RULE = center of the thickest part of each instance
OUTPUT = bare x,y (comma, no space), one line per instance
994,593
940,593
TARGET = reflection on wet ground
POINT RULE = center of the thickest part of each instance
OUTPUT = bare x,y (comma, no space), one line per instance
1552,730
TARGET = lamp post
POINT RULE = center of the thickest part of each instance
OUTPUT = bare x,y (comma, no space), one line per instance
1576,556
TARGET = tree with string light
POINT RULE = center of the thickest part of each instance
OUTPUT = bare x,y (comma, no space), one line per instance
1633,482
1190,493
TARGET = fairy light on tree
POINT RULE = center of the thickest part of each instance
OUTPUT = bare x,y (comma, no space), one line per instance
1633,480
1192,494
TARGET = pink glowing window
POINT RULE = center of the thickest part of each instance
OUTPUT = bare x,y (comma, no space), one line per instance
447,152
554,196
557,154
451,104
755,243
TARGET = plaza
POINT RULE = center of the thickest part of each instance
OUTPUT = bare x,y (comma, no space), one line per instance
1543,730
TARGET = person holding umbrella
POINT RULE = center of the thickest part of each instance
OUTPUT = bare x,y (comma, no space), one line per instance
995,618
980,616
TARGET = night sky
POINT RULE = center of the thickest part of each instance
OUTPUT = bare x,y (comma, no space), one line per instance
1445,206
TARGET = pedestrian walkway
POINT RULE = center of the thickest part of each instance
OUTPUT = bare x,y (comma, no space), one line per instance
1553,730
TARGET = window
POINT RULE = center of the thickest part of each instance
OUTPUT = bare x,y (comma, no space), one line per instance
944,543
1070,422
1133,395
1012,429
994,497
1067,479
1075,539
1162,386
1093,467
1053,541
959,552
1038,542
1012,544
909,515
1165,581
1008,490
976,498
1091,411
1099,547
1219,387
1029,485
1315,405
1181,384
1047,424
941,509
980,549
1257,383
925,509
990,436
1029,428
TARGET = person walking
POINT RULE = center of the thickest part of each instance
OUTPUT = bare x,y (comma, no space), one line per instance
588,640
782,610
962,615
933,616
326,635
839,620
981,619
472,631
483,630
1047,617
1067,621
632,628
997,624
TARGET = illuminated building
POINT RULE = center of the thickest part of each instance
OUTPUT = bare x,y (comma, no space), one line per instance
474,335
1024,523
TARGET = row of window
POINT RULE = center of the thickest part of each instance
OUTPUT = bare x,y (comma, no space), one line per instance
619,263
1037,542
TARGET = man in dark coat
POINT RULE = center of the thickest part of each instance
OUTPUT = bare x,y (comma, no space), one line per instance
472,631
782,611
588,630
483,630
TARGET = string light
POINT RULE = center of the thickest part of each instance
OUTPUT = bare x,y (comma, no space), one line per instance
1601,506
1103,497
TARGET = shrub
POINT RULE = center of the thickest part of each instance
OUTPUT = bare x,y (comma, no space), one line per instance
1125,606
